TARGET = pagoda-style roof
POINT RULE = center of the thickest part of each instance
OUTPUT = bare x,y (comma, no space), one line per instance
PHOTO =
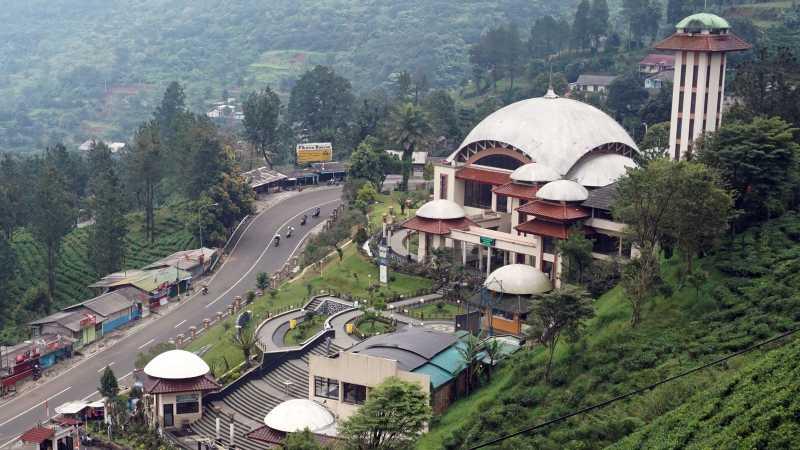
516,190
166,386
37,435
437,226
728,42
556,211
483,175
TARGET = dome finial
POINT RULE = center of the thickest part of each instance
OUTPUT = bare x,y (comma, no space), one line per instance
550,92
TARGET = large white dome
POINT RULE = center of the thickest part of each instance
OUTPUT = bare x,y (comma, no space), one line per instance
534,173
441,209
176,365
518,279
297,415
600,169
563,191
552,131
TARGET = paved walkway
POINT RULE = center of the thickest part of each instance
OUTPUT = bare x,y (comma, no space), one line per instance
270,335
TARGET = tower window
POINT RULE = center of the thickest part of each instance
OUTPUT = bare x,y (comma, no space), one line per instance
708,73
694,76
680,101
443,186
678,128
719,101
694,100
691,132
683,75
705,105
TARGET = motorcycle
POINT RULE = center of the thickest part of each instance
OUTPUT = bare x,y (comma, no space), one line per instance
204,290
277,241
316,212
289,232
303,220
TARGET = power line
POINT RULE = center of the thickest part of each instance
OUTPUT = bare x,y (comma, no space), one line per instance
634,392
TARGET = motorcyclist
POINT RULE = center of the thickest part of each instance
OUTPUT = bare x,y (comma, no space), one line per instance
289,232
316,212
304,219
277,240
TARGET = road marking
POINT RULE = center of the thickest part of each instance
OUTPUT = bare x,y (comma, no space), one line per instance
180,323
107,365
146,343
38,405
264,252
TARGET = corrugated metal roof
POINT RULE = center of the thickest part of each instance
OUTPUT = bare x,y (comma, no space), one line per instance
262,176
602,198
437,375
594,80
111,302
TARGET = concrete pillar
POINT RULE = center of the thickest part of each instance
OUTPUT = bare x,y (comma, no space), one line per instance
488,260
206,324
463,253
219,316
193,331
422,251
179,340
480,257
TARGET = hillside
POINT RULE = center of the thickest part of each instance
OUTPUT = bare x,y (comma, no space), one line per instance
749,297
72,70
74,273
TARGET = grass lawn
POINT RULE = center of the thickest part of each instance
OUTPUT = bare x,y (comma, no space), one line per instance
304,330
373,325
435,310
348,276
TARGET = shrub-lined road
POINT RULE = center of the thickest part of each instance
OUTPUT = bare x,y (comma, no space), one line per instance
252,254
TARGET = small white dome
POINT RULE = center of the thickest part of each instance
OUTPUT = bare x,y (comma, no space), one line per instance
600,169
297,415
518,279
534,173
441,209
563,191
176,365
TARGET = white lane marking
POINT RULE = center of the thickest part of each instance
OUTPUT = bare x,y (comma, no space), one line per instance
213,276
146,343
180,323
264,252
104,367
38,405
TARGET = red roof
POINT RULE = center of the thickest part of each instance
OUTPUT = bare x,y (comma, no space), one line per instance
437,226
542,228
37,435
656,58
524,191
554,210
68,421
703,43
163,386
483,175
268,435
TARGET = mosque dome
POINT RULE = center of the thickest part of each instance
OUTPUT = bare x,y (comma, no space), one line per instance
552,131
441,209
297,415
518,279
703,21
534,173
600,169
563,191
176,365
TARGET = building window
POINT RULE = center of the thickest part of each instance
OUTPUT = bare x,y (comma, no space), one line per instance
694,76
502,203
680,102
683,75
326,387
708,74
187,404
477,195
549,244
443,186
694,100
678,128
705,105
354,393
719,101
721,69
691,131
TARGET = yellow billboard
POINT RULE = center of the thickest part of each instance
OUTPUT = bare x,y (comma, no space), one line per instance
314,152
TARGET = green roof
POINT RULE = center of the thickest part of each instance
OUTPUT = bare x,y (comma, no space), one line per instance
437,375
704,21
151,280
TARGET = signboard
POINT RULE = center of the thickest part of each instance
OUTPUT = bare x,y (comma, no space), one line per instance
487,241
314,152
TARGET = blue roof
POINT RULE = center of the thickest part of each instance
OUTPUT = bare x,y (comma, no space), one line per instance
437,375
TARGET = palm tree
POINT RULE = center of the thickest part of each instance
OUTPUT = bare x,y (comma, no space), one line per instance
469,353
494,350
245,340
410,129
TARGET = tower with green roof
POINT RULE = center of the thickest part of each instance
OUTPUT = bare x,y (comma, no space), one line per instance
700,43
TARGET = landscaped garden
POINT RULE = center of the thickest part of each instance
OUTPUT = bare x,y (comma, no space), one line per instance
440,310
353,274
371,324
308,327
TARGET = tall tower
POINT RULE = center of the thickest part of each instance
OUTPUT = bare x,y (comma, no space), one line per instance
700,44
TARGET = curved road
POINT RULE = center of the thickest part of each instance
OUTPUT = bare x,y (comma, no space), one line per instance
252,254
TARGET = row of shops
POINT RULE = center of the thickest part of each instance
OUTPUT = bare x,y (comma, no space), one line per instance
264,180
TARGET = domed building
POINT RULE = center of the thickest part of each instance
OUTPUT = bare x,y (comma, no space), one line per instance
525,177
508,296
293,416
174,383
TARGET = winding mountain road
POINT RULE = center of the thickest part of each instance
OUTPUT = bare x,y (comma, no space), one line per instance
253,253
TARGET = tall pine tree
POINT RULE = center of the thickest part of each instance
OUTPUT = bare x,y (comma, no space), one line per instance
107,237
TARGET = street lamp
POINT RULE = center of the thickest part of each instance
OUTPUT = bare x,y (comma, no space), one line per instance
200,222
